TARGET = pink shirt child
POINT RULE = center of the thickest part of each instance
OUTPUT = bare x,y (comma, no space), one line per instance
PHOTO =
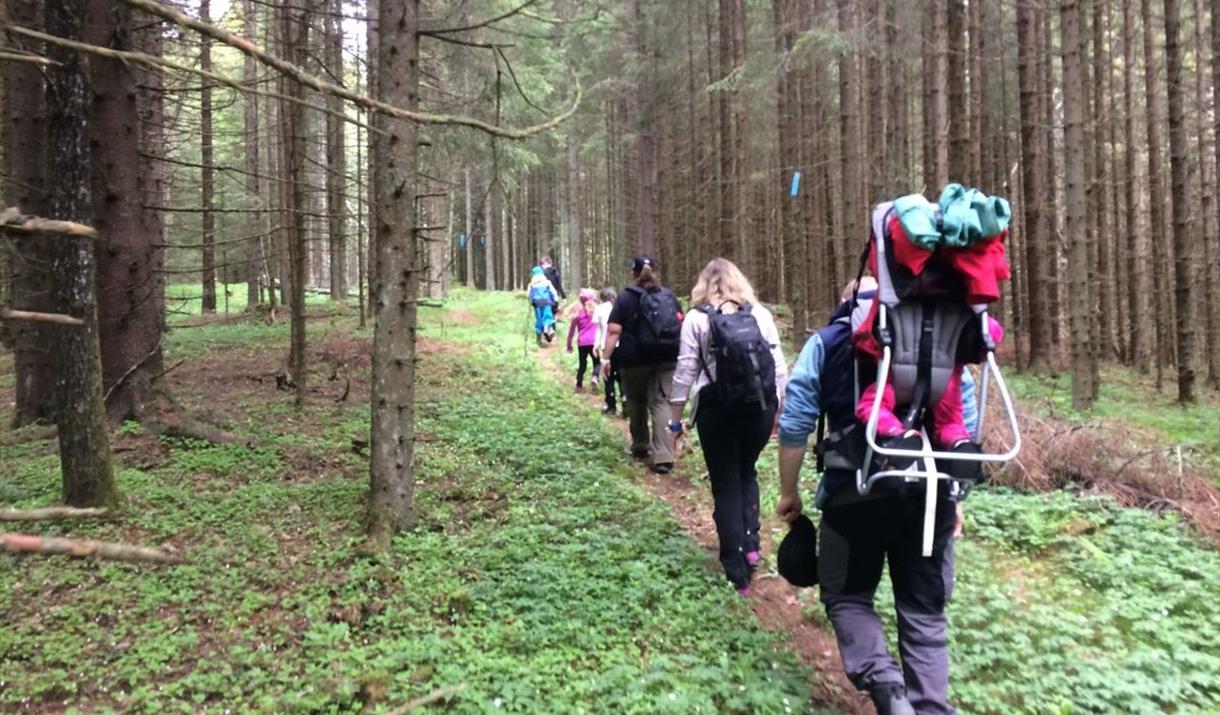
587,328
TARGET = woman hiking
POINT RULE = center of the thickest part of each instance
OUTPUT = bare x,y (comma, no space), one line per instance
731,366
642,341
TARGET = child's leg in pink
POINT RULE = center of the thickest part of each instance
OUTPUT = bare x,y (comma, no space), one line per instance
887,424
949,427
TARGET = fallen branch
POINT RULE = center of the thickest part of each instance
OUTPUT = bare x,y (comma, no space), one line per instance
7,313
320,85
16,57
50,513
432,697
86,548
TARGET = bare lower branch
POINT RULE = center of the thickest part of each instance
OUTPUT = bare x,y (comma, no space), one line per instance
7,313
50,513
317,84
467,28
17,57
81,548
13,221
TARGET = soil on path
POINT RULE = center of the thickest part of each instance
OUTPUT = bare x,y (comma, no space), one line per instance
773,600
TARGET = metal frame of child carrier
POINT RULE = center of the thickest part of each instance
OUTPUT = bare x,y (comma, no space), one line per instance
888,329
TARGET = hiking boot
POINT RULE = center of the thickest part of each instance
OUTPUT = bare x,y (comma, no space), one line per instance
610,410
890,699
744,591
663,468
579,389
640,454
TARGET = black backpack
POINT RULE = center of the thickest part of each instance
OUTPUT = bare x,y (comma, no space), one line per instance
745,369
658,327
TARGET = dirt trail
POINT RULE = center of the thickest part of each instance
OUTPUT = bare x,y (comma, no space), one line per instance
773,600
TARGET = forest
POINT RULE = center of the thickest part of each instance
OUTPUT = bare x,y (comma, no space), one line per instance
276,435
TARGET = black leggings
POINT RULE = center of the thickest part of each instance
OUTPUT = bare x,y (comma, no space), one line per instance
586,352
731,440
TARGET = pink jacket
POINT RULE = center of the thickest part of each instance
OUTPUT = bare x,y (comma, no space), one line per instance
587,327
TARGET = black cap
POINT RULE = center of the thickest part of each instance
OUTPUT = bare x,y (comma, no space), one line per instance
798,553
638,263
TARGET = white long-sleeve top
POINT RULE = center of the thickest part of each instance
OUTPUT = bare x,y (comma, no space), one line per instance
601,318
692,374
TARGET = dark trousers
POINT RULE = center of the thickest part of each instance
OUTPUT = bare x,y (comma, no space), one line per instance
611,382
586,354
856,538
731,440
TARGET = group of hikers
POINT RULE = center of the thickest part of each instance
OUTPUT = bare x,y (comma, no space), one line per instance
725,358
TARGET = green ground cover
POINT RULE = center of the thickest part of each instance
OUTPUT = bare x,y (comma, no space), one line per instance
540,578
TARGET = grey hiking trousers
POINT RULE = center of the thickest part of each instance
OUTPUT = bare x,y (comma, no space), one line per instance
856,538
646,394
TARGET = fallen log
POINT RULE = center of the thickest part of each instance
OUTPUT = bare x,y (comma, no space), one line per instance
52,512
84,548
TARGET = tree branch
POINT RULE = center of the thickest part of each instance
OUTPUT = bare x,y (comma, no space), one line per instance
50,513
13,221
287,68
452,30
17,57
32,544
7,313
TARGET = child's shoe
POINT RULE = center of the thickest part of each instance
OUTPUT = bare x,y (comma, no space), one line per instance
752,558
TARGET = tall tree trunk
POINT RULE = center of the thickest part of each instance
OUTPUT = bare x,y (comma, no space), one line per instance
958,117
84,438
374,172
935,105
1081,307
1104,229
391,482
1211,242
1185,236
1156,196
293,125
1036,240
728,196
849,141
489,238
208,219
336,157
25,161
1136,275
130,282
257,226
647,136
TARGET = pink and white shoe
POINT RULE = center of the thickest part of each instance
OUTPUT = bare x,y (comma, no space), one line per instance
752,558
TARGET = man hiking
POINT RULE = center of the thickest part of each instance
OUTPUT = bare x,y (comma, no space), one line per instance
858,535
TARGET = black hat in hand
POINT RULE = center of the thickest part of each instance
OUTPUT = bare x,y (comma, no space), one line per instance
798,553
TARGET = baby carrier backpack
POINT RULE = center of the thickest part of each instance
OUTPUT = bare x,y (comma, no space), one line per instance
921,328
745,368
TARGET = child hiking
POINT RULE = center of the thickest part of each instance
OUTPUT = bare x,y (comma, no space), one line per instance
584,328
542,298
601,317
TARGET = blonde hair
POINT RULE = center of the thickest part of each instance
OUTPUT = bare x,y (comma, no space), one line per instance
722,281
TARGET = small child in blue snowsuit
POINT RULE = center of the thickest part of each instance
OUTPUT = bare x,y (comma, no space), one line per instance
543,297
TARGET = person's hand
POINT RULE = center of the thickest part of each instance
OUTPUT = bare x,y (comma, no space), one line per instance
606,370
775,425
569,348
789,507
958,517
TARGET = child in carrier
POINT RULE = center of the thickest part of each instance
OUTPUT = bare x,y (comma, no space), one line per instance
952,251
543,298
584,328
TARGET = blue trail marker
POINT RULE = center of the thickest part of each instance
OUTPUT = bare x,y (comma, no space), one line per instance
796,184
462,241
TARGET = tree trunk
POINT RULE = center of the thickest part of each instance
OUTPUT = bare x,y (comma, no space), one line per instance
208,219
1211,199
1041,311
849,140
728,189
935,109
336,158
130,282
293,126
374,172
1081,307
1156,197
1185,236
1137,349
393,392
1105,229
25,161
254,189
958,118
84,438
647,146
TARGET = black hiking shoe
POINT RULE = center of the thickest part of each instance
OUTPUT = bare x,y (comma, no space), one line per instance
639,454
663,468
890,699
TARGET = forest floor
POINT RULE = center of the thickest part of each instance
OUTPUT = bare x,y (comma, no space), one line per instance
547,574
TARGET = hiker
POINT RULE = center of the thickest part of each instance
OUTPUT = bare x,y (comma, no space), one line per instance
642,336
552,275
601,317
731,367
542,298
859,534
585,330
